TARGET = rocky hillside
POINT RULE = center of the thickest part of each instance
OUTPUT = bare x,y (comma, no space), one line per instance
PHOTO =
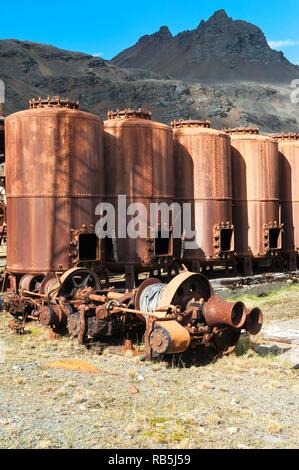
219,49
32,70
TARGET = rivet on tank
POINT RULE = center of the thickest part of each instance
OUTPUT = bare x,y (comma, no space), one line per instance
202,162
256,213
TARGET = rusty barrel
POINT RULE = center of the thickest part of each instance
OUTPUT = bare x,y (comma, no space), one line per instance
202,163
54,169
139,168
255,175
288,145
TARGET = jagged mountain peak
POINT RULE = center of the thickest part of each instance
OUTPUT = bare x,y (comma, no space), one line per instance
161,35
164,32
219,49
219,16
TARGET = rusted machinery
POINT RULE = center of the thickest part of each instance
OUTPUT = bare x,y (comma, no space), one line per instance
54,169
288,145
139,165
180,317
55,259
202,162
256,215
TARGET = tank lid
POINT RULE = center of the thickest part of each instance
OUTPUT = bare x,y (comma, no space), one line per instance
289,136
129,113
243,130
53,102
190,123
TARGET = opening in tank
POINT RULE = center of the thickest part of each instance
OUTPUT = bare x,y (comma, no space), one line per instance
226,240
109,253
275,239
89,247
163,243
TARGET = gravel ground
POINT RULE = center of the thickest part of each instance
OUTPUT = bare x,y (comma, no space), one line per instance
240,401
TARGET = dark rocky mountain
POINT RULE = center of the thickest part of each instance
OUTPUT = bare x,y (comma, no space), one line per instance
33,70
220,49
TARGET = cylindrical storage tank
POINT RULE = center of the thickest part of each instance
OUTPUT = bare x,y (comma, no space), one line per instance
54,171
288,145
202,162
255,176
138,170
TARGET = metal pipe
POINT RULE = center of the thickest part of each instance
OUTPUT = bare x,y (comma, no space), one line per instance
218,311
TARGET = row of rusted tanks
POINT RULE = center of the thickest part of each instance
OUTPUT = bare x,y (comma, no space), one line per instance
62,162
245,185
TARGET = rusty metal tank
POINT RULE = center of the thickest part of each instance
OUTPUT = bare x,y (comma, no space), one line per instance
255,175
288,145
202,162
54,170
138,165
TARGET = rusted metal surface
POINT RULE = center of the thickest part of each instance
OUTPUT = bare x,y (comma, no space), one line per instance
243,130
53,102
184,287
138,164
169,338
54,174
2,181
52,315
288,145
183,315
255,170
202,162
74,280
55,168
31,282
226,339
217,312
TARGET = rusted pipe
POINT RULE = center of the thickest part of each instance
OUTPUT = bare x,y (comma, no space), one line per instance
254,321
218,311
97,298
157,314
37,294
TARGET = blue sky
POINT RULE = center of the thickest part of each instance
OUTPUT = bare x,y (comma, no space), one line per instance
106,28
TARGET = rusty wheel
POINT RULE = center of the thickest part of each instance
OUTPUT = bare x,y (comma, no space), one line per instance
184,287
